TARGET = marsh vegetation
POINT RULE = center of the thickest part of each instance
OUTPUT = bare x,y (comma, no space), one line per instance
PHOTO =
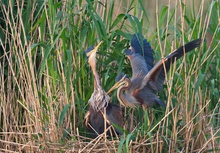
45,80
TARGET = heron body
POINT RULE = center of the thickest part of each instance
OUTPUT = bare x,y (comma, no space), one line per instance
102,113
147,78
95,120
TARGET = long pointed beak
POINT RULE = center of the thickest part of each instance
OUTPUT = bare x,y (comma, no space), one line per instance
116,85
94,50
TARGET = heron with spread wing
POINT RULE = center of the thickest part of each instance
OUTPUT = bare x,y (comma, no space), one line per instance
101,109
147,78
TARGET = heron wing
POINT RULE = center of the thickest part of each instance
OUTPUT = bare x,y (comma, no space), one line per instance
142,47
156,76
175,55
114,114
137,62
141,56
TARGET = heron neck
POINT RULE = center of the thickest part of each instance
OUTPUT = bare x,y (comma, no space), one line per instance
120,93
97,81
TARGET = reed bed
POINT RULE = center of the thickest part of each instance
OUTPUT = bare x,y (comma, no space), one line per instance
45,80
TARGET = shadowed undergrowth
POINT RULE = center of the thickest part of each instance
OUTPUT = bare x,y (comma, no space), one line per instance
46,81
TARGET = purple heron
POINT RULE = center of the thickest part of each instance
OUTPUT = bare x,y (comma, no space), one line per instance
101,109
147,78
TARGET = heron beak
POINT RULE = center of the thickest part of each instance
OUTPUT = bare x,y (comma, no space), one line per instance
117,84
94,50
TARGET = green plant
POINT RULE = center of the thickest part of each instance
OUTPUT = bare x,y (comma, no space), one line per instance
46,81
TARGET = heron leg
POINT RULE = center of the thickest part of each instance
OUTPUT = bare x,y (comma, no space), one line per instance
86,119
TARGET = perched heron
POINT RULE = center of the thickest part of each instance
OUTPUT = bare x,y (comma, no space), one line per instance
101,109
146,77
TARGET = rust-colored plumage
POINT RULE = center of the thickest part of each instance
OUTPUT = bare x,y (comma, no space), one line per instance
146,77
101,109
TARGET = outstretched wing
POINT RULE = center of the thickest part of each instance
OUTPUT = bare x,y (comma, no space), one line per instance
156,76
140,55
142,47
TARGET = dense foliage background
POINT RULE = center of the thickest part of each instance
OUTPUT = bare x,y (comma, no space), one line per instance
45,80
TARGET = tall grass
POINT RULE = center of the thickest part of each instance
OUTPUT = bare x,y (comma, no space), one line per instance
46,81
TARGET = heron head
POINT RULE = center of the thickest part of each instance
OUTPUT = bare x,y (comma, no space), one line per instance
91,50
121,82
91,54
